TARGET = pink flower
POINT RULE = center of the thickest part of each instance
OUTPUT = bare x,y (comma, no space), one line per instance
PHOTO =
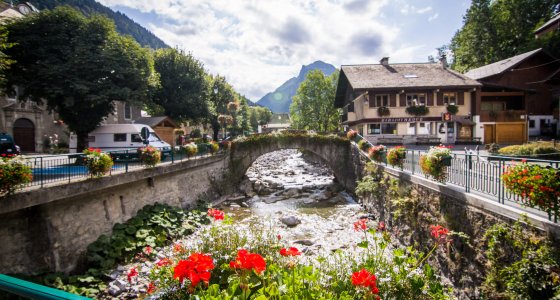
131,274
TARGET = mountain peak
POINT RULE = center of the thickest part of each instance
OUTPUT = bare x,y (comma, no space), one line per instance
280,100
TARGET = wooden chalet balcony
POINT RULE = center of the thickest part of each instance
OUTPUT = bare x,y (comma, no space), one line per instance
503,116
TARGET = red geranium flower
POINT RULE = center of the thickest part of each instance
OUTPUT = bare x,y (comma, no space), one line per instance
151,288
148,250
163,262
365,279
439,231
248,261
196,268
292,251
216,214
131,274
178,247
360,225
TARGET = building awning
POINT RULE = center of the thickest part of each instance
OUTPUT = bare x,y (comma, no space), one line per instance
463,120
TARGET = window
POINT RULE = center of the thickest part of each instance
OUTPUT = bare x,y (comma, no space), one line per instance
450,127
531,123
135,138
383,128
119,137
381,100
449,98
127,111
415,99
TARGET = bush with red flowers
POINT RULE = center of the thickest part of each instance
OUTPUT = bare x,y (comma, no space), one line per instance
150,156
536,186
216,214
98,163
14,173
396,156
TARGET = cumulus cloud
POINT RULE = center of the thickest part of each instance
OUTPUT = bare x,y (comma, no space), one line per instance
433,17
258,45
408,9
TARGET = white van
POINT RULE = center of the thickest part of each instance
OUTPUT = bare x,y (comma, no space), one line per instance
116,137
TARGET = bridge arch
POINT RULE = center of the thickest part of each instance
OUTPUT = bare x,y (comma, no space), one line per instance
335,151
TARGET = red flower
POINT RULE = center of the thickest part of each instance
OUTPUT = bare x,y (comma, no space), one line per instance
292,251
248,261
360,225
163,262
177,247
148,250
216,214
364,278
196,268
381,226
131,274
279,237
439,232
151,288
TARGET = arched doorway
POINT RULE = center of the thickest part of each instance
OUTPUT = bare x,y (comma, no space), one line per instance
24,135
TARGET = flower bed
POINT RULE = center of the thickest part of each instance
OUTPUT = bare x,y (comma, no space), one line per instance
230,263
396,156
149,156
434,163
14,173
377,153
98,163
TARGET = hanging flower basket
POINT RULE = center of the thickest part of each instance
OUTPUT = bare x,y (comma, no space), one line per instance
190,149
97,162
351,134
434,163
149,156
377,153
396,156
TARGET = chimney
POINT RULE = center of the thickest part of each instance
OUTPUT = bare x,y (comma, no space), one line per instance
443,61
384,61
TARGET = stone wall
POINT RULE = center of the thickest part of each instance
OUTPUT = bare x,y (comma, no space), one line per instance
49,229
421,203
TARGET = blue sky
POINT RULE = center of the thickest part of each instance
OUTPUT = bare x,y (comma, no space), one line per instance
259,44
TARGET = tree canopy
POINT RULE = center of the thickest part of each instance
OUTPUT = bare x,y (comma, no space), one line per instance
313,105
78,65
183,90
497,29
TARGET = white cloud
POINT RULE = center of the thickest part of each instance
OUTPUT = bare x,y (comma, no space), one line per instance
407,9
433,17
258,45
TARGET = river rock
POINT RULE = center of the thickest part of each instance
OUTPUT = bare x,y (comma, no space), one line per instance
290,221
114,290
292,193
305,242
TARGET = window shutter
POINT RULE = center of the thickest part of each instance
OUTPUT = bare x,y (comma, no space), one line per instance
440,99
430,98
371,97
402,100
392,100
461,98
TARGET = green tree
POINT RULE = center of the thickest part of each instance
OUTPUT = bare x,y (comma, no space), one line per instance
313,105
183,90
78,65
259,115
498,29
220,94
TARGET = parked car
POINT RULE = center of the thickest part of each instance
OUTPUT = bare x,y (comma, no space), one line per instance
7,145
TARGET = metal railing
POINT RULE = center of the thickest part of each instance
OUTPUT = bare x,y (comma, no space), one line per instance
478,174
49,169
31,290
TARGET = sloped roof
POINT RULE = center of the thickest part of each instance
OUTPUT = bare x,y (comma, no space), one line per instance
500,66
155,121
555,18
280,118
420,75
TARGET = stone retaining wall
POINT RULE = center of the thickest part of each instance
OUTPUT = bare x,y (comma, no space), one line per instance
49,229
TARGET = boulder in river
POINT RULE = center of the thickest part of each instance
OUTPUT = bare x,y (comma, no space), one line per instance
290,221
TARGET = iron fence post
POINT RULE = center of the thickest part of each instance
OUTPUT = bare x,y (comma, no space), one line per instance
412,162
500,192
468,166
41,173
172,156
68,167
126,159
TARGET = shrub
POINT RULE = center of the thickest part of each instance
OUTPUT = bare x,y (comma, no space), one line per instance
190,149
14,173
434,162
196,133
363,145
531,149
396,156
149,156
98,163
377,153
214,147
537,186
